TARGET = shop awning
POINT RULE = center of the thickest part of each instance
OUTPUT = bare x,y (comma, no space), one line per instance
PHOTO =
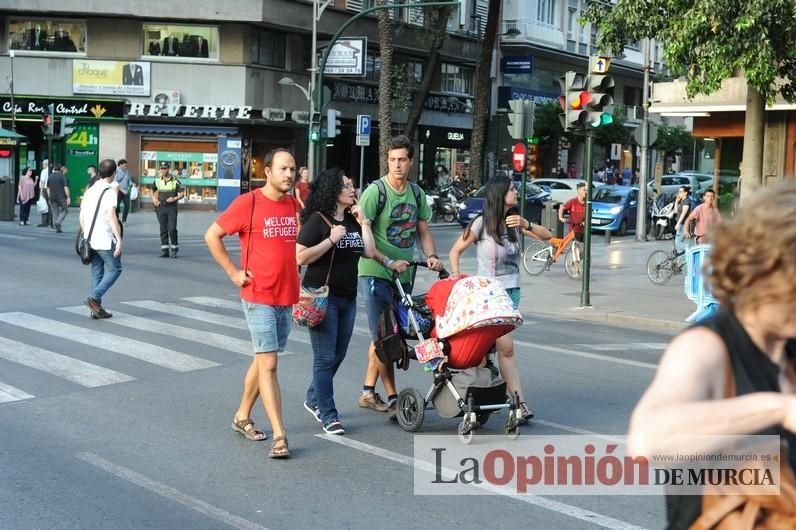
182,129
5,133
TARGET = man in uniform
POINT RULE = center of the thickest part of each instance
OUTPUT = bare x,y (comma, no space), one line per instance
166,192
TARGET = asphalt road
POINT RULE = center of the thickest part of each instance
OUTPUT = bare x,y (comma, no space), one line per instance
125,423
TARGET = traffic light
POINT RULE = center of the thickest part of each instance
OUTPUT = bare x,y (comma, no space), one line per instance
67,126
46,124
574,100
601,89
533,160
333,123
529,111
315,127
516,126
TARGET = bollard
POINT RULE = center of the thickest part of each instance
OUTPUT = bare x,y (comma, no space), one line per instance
607,237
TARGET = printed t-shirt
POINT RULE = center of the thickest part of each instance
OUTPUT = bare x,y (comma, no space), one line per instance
577,214
267,246
395,230
343,278
102,235
499,261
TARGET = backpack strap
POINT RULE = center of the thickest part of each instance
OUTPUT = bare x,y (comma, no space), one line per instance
382,202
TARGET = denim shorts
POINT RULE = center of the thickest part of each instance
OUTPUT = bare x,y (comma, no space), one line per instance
377,295
514,294
269,325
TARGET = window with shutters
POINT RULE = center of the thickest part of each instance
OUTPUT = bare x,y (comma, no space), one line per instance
268,48
457,79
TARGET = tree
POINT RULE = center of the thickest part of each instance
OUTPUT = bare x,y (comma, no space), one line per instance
708,42
673,139
482,87
386,31
546,123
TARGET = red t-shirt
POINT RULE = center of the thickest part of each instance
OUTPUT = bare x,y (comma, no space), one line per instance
271,253
577,214
303,190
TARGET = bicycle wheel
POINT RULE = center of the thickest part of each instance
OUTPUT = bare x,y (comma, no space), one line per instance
570,264
534,259
659,267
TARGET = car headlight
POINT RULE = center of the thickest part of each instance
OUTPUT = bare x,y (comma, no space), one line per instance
615,210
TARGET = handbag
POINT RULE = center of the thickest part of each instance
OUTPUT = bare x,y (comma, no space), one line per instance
82,245
311,307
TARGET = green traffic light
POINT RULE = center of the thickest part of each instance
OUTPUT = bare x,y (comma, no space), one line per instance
315,136
605,118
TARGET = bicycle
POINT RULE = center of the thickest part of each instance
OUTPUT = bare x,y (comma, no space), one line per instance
540,255
662,265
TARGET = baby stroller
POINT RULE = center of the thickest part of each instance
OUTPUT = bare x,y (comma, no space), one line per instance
462,319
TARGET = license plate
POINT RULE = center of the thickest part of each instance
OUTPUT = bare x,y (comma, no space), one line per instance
599,221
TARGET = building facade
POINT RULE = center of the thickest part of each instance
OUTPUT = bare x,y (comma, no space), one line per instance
197,87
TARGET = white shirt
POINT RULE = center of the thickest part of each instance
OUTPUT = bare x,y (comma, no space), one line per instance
43,178
102,236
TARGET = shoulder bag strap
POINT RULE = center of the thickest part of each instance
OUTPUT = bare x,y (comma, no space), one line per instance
251,230
96,211
334,248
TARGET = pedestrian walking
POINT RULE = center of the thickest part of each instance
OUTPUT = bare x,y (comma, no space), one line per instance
682,205
43,180
98,208
399,213
167,191
705,216
334,235
125,183
266,221
495,233
26,195
58,191
733,372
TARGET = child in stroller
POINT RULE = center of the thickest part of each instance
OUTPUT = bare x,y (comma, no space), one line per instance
462,319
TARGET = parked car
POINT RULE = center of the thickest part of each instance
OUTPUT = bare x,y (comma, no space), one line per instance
614,208
535,197
561,190
670,184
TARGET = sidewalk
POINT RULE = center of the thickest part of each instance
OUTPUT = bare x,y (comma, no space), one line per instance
620,291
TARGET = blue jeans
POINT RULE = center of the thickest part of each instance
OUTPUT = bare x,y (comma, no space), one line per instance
105,270
679,242
330,341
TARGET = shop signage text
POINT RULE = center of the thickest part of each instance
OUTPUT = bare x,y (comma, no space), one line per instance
445,137
212,112
519,64
347,57
79,108
360,93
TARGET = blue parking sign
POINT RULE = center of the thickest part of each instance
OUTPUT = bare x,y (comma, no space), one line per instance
363,124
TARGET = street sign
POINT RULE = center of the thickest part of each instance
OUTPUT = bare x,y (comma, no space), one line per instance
363,124
616,151
653,134
519,153
363,130
598,64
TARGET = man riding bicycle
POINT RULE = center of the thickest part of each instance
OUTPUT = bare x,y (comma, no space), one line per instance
577,215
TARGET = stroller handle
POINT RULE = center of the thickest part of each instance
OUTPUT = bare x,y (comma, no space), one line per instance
442,273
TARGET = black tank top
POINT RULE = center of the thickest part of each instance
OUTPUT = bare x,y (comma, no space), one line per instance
754,372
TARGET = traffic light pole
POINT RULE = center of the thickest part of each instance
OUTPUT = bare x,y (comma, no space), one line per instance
585,295
522,203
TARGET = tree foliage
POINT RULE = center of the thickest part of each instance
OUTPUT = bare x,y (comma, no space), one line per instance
673,139
615,132
546,123
707,41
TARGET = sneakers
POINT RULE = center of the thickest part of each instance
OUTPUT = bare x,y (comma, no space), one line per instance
391,411
525,412
333,427
314,410
372,400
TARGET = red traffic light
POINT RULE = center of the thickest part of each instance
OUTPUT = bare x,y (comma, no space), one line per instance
584,98
46,119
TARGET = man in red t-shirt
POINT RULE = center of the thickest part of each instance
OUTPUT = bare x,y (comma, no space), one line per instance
577,212
303,187
266,222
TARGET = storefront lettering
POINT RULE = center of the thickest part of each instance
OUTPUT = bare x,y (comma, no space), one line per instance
455,136
357,93
212,112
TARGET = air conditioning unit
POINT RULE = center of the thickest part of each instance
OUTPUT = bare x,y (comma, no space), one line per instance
166,97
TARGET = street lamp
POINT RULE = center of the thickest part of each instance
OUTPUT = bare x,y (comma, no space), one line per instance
11,90
288,81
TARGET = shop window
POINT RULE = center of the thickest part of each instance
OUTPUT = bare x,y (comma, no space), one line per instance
457,79
372,68
268,48
177,40
194,163
47,35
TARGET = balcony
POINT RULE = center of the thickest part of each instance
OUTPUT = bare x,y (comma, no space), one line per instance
533,31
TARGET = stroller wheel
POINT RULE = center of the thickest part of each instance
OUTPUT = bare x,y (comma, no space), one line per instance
466,432
410,409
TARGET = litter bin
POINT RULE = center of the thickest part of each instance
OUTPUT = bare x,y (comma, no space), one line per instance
550,218
8,198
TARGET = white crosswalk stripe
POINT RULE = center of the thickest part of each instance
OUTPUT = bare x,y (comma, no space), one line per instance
80,372
187,312
626,346
143,351
215,302
216,340
9,393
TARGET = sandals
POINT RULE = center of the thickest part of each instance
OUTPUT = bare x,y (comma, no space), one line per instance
525,412
249,433
279,448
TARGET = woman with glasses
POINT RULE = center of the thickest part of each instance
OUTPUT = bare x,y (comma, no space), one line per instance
334,235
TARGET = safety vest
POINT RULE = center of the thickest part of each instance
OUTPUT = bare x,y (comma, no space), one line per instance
166,189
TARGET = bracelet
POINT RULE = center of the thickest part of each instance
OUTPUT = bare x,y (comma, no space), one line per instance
433,256
388,263
330,241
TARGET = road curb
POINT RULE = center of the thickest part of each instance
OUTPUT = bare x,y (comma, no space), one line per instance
614,319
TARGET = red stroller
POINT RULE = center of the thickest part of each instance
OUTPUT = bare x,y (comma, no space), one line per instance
468,315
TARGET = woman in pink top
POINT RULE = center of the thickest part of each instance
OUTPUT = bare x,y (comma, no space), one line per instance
706,215
26,195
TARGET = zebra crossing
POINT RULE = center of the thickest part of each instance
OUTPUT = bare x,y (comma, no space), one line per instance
625,346
130,335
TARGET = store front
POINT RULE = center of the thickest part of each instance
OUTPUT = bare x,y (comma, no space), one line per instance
446,147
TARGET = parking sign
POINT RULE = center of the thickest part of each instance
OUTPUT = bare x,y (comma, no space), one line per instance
363,130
